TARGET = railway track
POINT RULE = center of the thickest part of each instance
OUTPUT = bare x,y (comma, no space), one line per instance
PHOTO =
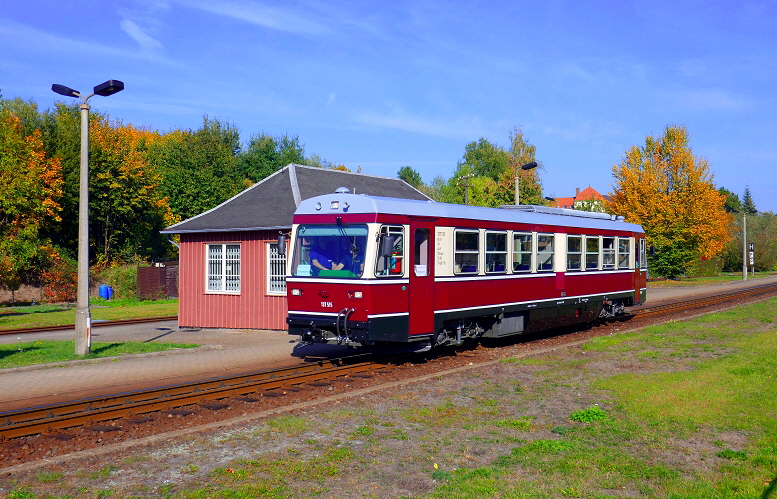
120,411
696,303
49,419
98,323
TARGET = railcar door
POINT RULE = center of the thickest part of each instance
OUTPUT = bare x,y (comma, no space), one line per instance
421,292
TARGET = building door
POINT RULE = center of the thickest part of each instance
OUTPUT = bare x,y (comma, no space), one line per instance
421,293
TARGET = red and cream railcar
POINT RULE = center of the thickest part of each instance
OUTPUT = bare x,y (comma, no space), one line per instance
367,270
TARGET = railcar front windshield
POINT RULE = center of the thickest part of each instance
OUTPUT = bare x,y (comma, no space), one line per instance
335,251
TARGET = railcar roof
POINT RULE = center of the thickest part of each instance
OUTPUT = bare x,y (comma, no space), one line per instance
359,203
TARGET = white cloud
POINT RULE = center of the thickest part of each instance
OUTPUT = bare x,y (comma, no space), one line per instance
139,35
261,15
401,120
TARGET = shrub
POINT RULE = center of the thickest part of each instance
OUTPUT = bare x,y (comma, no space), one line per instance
123,280
60,280
593,413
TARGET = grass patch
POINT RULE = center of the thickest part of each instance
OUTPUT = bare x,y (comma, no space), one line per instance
61,315
696,422
593,413
47,351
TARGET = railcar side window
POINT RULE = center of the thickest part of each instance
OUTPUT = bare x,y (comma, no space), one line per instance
642,254
592,252
608,253
496,252
421,266
574,252
466,252
624,247
522,250
391,265
545,250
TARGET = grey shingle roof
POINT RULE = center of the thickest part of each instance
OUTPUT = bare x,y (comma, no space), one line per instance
270,204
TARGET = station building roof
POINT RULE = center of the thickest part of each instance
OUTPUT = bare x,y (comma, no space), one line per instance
270,203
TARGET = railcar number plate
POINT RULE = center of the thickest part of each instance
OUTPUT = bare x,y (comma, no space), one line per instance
326,304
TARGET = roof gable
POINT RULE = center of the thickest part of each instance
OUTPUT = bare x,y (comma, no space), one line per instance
270,203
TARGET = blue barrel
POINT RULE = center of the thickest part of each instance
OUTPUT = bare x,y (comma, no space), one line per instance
104,291
110,292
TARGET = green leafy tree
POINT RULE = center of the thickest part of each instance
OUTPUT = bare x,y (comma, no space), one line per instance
29,199
669,191
410,176
521,152
61,134
198,167
266,155
732,202
747,202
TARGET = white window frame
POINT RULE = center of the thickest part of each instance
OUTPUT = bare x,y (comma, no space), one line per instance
457,252
580,254
224,270
597,253
518,251
624,257
609,254
540,254
505,252
276,270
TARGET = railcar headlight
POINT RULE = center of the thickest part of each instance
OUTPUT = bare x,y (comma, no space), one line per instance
296,292
355,294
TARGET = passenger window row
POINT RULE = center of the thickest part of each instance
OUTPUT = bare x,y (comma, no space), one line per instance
535,252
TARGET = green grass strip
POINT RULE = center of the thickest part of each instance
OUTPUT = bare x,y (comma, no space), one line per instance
46,351
58,315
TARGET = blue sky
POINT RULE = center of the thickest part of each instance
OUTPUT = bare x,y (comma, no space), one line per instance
399,83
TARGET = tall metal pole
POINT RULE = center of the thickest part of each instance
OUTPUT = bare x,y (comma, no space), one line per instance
517,181
83,314
744,245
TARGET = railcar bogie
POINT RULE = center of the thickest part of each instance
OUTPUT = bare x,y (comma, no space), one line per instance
370,271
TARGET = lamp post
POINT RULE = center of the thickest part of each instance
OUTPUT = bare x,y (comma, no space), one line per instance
83,315
744,241
465,179
527,166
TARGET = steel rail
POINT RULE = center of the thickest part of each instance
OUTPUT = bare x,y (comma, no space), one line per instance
47,419
705,300
95,323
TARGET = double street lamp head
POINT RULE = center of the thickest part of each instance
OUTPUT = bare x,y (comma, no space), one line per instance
105,89
529,166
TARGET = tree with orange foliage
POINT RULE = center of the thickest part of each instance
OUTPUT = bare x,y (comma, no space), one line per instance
127,208
30,189
669,191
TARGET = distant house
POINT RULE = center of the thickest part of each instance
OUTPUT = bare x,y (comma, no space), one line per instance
588,199
231,275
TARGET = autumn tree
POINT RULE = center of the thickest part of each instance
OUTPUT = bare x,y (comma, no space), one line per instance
522,152
670,192
29,199
127,209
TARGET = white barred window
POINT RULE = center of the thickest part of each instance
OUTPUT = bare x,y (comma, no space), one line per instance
276,271
223,273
